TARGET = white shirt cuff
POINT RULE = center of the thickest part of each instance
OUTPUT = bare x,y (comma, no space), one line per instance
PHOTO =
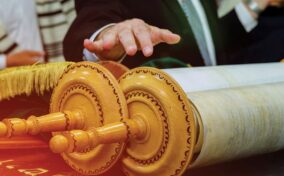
89,56
3,62
248,22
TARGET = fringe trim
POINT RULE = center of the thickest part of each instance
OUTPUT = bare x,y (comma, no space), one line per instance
28,79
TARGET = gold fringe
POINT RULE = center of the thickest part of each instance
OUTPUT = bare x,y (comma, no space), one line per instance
28,79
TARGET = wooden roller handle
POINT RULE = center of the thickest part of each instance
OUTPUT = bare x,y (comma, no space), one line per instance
79,140
48,123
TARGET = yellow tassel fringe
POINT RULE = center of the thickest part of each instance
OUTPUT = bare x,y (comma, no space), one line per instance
28,79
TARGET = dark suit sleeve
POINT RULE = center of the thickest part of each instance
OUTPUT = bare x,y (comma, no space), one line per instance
228,33
91,16
234,33
235,38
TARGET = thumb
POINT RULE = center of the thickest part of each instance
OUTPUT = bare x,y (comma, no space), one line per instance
94,47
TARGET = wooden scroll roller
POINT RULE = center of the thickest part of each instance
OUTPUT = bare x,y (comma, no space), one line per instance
81,100
79,140
59,121
170,130
34,125
153,124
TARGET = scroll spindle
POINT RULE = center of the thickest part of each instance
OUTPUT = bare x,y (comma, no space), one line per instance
79,140
48,123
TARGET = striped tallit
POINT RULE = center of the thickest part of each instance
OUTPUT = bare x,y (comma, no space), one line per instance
54,19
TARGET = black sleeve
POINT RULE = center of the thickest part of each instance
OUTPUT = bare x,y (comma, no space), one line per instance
233,32
228,33
91,16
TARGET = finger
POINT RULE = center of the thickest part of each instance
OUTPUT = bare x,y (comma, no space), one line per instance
31,60
94,47
37,60
169,37
143,36
128,42
110,39
163,35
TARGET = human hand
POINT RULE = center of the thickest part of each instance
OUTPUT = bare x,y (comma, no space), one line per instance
255,7
128,37
26,57
277,3
263,4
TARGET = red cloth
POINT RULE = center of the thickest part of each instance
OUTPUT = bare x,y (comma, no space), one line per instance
30,156
33,162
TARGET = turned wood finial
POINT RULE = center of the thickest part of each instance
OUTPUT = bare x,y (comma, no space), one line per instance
79,140
75,140
59,144
47,123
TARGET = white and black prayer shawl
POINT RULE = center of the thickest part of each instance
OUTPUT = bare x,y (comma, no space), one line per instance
54,19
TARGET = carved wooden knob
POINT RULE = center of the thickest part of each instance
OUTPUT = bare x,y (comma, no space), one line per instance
47,123
79,140
59,144
75,140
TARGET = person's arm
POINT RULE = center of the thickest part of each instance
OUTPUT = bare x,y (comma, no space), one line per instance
12,55
20,58
246,17
128,35
277,3
24,57
248,12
